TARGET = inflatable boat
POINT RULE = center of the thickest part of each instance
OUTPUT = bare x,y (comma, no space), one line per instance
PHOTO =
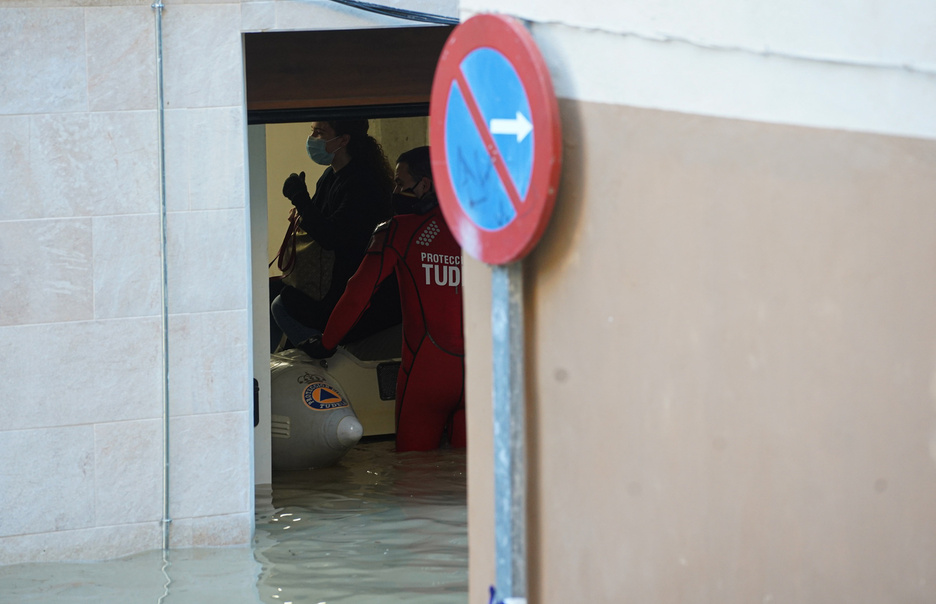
323,407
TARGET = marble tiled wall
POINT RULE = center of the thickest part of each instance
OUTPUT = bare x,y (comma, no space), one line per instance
81,379
80,300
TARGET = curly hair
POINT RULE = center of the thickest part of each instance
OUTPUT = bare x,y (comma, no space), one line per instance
364,148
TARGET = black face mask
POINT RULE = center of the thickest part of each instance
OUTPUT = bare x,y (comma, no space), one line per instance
404,203
407,203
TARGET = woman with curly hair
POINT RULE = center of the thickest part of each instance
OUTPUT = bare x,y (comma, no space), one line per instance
351,198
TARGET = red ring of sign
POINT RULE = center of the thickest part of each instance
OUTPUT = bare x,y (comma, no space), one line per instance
510,38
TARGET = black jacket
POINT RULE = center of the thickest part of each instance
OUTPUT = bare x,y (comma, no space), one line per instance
344,210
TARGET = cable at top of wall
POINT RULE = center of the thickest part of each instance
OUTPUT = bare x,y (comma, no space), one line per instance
399,13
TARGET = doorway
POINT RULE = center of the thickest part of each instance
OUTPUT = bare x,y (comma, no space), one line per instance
292,79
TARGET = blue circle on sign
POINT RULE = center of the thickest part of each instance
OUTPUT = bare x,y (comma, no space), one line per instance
496,97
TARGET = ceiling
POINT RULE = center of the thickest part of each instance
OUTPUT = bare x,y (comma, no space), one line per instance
309,75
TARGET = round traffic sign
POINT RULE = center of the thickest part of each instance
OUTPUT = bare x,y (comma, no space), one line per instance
495,138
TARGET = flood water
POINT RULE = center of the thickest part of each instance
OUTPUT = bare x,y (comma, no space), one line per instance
377,527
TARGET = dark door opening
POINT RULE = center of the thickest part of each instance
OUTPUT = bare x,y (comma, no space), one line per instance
295,78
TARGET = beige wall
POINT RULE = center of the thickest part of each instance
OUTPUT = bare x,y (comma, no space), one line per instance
731,349
82,378
285,154
80,272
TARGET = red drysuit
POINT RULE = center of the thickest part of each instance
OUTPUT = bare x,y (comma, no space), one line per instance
430,393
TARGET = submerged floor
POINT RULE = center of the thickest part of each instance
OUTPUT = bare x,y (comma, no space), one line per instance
378,527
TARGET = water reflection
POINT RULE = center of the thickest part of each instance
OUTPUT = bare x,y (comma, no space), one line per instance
378,527
227,575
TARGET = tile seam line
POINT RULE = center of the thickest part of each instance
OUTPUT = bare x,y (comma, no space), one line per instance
94,424
766,52
133,318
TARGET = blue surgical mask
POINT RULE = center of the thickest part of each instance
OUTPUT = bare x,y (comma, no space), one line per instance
316,150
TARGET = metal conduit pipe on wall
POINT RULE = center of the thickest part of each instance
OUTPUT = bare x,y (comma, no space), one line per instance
164,285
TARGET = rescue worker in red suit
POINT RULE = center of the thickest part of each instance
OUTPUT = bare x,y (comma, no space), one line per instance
417,245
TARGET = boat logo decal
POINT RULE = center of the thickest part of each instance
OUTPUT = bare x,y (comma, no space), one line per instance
322,397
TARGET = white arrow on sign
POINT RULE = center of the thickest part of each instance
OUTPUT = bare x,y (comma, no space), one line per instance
519,126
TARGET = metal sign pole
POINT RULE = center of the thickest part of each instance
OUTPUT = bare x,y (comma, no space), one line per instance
497,155
509,397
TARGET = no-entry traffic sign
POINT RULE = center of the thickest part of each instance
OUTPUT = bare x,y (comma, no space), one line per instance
495,138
